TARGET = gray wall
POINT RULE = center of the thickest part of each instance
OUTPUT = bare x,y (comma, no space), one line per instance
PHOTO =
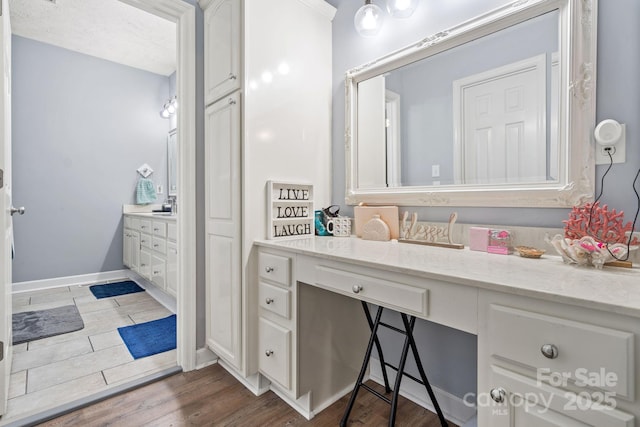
452,365
81,128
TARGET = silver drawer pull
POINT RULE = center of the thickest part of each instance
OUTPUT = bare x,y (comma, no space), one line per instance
268,353
156,245
356,289
498,394
232,101
156,272
549,351
156,229
232,76
268,300
269,269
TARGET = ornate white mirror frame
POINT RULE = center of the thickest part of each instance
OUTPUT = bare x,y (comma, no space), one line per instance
577,54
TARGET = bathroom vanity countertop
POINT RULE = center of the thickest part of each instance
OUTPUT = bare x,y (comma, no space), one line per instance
155,215
612,289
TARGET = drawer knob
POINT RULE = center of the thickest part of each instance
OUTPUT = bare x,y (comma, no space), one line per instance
268,300
498,394
269,269
549,351
356,289
268,353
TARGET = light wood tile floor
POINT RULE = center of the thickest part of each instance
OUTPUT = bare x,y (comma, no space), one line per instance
53,371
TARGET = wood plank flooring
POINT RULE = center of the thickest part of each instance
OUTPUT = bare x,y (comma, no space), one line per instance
212,397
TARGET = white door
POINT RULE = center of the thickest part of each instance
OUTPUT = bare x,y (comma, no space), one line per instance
223,215
5,206
502,124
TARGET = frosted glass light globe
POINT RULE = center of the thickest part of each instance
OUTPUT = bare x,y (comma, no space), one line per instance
368,19
401,8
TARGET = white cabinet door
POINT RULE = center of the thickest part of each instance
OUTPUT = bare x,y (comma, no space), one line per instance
172,269
144,268
222,49
223,228
131,249
158,267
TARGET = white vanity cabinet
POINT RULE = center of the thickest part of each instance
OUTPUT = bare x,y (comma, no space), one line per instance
150,249
547,364
557,345
268,116
131,243
276,322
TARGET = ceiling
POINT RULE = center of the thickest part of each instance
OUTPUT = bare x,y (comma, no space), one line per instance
107,29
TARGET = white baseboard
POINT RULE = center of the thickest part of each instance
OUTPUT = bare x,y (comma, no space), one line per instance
205,357
453,407
256,384
301,405
156,293
57,282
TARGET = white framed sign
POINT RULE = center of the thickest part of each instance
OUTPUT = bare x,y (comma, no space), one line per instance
289,210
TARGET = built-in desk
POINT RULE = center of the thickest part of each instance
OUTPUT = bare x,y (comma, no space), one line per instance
544,328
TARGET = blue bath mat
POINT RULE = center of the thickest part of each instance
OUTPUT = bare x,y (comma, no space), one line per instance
145,339
115,289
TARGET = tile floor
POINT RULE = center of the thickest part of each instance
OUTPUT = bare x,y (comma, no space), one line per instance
52,371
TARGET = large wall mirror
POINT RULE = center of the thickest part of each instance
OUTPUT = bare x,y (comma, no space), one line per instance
497,111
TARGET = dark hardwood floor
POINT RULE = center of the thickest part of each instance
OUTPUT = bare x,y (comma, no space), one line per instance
212,397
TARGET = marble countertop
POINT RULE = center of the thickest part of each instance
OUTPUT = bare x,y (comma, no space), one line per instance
612,289
154,215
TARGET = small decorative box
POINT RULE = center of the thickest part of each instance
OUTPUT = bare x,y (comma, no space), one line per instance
478,238
499,242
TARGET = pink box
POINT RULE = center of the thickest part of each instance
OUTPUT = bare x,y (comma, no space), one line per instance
499,242
478,238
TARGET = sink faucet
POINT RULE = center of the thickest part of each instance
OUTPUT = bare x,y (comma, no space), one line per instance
173,200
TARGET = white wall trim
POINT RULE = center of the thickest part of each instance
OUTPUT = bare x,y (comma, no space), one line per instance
205,357
154,291
453,407
82,279
183,14
256,384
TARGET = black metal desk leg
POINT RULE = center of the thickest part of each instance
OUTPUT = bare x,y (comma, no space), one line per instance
363,370
408,325
387,389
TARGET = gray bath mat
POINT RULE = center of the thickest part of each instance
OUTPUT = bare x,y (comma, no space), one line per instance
34,325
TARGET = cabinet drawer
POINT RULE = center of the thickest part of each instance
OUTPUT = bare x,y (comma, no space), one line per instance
172,231
407,299
583,351
129,222
274,299
159,245
146,240
275,268
274,344
528,403
159,228
144,225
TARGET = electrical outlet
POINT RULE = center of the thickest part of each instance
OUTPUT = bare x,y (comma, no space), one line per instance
435,171
617,151
159,189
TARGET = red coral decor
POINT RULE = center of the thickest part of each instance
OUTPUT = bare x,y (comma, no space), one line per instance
598,222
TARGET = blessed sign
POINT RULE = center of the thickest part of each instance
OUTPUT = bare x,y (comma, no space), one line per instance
290,210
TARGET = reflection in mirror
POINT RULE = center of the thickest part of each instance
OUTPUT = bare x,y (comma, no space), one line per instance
484,107
172,160
479,113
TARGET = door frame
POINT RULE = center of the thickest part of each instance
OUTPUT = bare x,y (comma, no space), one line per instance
183,14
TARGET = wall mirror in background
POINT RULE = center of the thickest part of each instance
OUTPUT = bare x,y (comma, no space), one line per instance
172,161
496,111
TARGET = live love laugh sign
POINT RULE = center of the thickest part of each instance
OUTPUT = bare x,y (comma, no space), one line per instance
290,210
